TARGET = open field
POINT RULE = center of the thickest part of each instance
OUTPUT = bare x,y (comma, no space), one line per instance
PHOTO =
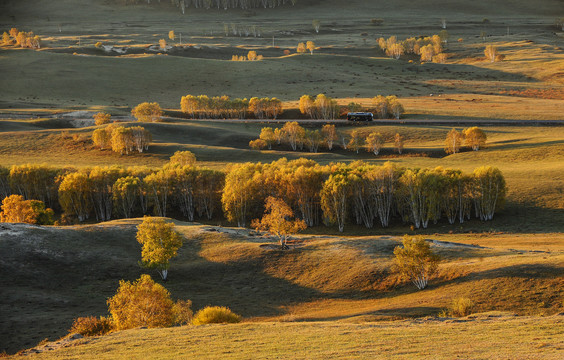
333,295
57,274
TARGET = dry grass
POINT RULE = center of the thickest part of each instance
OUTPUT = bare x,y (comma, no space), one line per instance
492,336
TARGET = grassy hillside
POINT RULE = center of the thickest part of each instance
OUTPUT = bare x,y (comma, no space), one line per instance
347,63
332,295
491,338
58,274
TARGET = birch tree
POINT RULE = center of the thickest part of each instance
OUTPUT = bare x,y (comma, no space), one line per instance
74,195
489,191
475,138
334,194
329,135
160,243
374,142
125,193
398,143
453,141
277,221
415,261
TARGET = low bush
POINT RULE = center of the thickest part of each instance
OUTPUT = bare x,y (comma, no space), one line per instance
91,326
215,315
459,307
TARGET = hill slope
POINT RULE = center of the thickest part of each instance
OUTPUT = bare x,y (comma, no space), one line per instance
58,274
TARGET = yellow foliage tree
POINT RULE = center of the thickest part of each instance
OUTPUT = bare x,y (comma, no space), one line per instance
310,45
102,118
141,303
374,143
453,141
267,135
301,48
160,243
101,138
475,137
415,261
276,220
17,210
398,143
147,112
182,158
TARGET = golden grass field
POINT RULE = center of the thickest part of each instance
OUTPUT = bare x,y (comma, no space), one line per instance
335,295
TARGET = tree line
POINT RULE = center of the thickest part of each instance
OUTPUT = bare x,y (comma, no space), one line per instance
21,38
360,193
114,192
320,107
333,194
299,138
203,106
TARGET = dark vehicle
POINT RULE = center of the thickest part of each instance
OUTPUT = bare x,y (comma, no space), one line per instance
360,116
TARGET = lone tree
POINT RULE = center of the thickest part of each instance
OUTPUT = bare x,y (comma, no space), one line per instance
491,53
398,143
415,261
276,220
316,24
182,158
475,138
102,118
146,303
147,112
160,244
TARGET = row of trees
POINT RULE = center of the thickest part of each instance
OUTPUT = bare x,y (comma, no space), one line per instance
123,140
215,107
339,194
333,194
113,192
251,56
428,48
188,190
22,39
297,137
320,107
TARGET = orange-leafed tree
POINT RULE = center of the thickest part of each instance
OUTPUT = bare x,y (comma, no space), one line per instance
277,220
16,209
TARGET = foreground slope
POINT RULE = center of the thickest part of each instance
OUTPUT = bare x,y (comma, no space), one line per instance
492,336
57,274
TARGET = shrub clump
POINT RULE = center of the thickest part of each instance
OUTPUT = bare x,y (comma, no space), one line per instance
215,315
459,307
92,326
